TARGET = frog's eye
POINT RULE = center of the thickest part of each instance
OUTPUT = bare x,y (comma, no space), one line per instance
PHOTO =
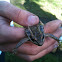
41,28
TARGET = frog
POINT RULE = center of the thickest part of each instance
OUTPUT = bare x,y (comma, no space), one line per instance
36,35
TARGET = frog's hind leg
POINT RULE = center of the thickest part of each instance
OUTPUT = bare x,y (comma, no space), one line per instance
19,44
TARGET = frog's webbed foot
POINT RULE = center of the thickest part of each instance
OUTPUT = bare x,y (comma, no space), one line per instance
19,44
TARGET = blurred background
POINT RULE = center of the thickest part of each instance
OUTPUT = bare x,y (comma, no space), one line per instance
46,10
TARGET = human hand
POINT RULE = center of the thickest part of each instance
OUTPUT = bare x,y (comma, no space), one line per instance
10,36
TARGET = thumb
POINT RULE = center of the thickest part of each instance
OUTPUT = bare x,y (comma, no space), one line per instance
18,15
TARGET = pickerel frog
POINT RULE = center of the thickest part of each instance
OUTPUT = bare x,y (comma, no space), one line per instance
36,35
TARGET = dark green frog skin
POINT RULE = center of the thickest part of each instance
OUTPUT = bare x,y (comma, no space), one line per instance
36,35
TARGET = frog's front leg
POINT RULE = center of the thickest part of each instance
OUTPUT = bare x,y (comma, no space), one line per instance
52,36
19,44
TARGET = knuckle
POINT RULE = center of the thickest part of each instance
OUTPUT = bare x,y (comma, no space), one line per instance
18,13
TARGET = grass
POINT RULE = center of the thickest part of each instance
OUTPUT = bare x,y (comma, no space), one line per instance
47,58
47,10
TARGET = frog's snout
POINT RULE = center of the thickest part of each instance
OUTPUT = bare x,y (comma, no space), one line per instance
40,44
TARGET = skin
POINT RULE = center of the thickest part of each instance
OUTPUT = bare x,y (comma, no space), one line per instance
10,36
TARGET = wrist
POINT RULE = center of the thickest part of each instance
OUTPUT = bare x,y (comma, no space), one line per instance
6,0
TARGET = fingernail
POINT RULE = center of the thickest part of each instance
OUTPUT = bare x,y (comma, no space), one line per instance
32,20
56,45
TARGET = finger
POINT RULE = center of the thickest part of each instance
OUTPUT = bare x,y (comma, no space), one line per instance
9,34
52,26
18,15
33,57
27,56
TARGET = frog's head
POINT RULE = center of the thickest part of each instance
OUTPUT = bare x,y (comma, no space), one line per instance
36,34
